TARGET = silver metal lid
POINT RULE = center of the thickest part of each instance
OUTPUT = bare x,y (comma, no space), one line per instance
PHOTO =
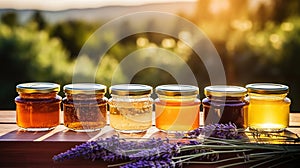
267,88
84,88
130,89
177,90
225,90
37,87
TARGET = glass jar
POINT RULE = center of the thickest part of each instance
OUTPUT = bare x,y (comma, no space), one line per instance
177,107
130,108
269,107
37,106
85,107
225,104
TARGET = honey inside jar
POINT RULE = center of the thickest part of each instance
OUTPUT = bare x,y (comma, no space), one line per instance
130,117
177,108
37,106
130,108
225,104
269,107
85,107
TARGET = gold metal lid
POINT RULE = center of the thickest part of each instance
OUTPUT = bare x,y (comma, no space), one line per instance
267,88
130,89
225,90
84,88
177,90
37,87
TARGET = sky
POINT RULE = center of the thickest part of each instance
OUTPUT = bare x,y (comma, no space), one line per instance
54,5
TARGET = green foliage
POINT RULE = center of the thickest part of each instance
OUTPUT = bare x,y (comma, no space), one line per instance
38,18
29,55
10,19
73,34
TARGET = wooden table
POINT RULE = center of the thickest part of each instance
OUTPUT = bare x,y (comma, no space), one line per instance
36,149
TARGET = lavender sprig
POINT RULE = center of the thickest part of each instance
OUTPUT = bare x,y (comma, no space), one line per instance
224,131
110,149
218,139
163,152
102,148
168,163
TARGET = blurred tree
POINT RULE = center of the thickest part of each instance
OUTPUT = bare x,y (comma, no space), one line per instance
38,18
73,34
10,19
260,16
29,55
283,9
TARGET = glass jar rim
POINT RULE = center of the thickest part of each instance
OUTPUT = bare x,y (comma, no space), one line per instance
84,88
37,87
130,89
225,90
267,88
177,90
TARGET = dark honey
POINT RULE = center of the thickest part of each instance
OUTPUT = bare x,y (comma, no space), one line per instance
225,104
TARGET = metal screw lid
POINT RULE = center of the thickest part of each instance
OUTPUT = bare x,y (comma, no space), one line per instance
177,90
267,88
37,87
225,90
84,88
130,89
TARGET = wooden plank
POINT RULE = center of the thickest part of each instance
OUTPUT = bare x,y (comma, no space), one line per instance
295,119
9,131
39,154
7,116
36,149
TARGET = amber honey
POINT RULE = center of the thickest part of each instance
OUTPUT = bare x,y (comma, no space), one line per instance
269,107
37,106
85,107
177,108
177,116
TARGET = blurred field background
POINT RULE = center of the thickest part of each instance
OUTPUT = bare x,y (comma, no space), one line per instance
257,40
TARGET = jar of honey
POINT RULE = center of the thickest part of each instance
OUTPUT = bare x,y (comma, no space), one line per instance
37,106
269,106
177,107
130,108
225,104
85,107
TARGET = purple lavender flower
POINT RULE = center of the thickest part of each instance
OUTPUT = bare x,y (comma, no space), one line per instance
112,149
102,148
162,152
224,131
150,164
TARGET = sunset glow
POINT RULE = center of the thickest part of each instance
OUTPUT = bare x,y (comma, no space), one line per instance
219,5
76,4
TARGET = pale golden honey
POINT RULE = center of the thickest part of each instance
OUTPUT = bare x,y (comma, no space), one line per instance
130,108
269,114
269,107
131,116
